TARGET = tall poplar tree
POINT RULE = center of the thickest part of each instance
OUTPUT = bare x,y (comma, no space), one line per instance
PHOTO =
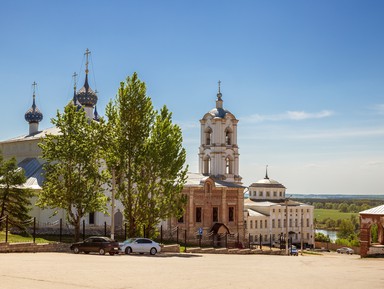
74,169
148,158
162,176
15,201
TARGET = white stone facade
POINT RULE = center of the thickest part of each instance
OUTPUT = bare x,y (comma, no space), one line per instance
270,216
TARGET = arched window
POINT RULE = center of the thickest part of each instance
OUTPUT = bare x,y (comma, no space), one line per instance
207,165
208,136
228,136
228,165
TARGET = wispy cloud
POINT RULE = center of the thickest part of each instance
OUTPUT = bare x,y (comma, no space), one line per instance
379,108
288,115
319,134
185,125
375,163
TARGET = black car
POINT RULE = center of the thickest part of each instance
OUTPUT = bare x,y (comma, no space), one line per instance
101,245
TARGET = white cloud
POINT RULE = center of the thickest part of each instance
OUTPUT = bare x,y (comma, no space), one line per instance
295,134
185,125
375,163
288,115
379,108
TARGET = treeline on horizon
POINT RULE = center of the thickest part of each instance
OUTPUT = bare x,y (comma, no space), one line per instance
344,205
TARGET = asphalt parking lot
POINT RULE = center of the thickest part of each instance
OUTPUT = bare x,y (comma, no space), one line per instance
66,270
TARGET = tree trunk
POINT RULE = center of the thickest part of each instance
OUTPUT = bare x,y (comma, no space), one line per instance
77,230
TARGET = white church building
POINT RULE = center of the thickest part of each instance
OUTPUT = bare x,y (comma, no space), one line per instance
28,156
270,215
215,195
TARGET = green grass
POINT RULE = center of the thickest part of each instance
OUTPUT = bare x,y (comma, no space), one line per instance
321,214
21,239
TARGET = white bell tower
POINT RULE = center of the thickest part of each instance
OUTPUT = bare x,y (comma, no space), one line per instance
218,152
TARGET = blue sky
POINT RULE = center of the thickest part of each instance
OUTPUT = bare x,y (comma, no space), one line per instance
305,78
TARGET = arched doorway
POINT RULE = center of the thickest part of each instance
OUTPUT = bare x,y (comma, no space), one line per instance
118,219
220,232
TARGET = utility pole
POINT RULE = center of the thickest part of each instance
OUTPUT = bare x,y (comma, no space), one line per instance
113,205
302,237
286,226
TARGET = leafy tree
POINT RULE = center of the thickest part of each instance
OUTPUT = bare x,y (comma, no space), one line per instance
364,207
330,223
320,237
148,157
343,207
162,175
346,228
74,175
14,200
355,222
374,233
352,208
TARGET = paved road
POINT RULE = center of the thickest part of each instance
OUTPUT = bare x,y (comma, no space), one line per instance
69,271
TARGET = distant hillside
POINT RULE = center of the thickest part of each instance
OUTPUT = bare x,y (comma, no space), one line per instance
337,197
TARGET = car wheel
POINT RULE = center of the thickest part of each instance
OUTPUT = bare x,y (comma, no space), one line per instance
153,251
128,250
102,251
86,252
76,250
111,253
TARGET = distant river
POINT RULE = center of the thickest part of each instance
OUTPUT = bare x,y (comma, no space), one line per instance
332,234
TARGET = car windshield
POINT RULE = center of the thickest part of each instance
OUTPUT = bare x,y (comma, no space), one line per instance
130,240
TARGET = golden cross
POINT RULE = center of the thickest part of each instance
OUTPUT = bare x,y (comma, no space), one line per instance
74,80
87,52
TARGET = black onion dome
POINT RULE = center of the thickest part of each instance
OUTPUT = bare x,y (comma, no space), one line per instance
86,96
96,116
33,114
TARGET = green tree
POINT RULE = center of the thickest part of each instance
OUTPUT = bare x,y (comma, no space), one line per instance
364,207
148,157
320,237
352,208
343,207
74,175
374,233
346,228
330,223
162,175
15,201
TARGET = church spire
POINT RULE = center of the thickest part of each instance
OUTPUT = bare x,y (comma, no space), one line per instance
33,115
266,173
219,101
86,96
74,88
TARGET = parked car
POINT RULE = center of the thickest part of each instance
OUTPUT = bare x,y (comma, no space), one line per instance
293,251
140,245
101,245
345,250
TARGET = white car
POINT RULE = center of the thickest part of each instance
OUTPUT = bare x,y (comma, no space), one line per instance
140,245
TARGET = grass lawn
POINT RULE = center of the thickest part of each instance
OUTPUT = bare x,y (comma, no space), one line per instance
21,239
321,214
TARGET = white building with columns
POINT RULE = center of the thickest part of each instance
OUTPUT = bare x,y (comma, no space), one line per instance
270,215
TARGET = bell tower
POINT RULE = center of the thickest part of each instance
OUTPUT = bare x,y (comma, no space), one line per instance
218,151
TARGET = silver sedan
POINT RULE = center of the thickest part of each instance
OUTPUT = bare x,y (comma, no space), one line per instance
345,250
140,245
